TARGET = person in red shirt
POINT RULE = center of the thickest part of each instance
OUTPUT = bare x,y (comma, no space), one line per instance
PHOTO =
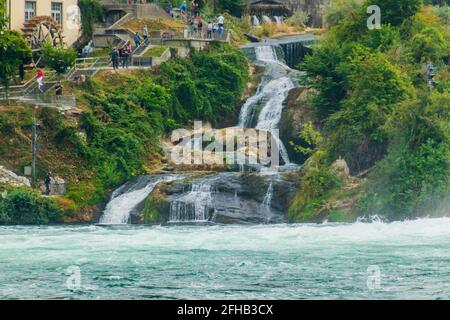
40,79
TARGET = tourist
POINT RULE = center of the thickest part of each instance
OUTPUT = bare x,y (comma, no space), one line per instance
192,27
209,30
215,28
193,8
137,39
183,8
125,54
22,72
115,58
47,182
58,90
145,33
200,28
221,21
40,80
219,31
169,10
197,10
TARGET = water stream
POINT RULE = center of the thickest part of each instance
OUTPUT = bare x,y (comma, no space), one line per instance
305,261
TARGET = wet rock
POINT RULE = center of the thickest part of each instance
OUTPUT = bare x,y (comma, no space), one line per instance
295,113
227,197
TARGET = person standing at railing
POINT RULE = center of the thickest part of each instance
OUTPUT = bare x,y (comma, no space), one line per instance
40,80
221,21
145,33
209,30
215,28
219,31
125,54
115,58
58,90
200,27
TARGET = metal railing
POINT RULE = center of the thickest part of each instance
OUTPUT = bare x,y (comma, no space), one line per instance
63,102
92,63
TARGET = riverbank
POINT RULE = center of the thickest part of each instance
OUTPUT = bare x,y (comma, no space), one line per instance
123,117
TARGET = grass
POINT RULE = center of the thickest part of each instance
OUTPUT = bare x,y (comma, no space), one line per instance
156,51
137,25
104,52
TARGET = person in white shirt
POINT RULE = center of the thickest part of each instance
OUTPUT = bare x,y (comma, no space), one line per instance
145,33
221,20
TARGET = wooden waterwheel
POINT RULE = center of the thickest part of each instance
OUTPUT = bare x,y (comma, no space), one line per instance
41,29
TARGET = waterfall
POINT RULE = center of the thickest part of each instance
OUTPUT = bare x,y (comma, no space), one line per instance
271,94
121,205
194,206
270,116
279,20
118,210
268,197
266,19
256,21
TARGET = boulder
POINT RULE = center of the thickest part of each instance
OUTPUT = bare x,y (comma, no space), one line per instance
226,197
10,178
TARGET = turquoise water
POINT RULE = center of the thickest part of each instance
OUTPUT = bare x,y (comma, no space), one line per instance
330,261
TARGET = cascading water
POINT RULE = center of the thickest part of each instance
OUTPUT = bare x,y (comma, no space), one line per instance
279,20
268,197
262,111
194,206
271,94
266,19
119,209
256,21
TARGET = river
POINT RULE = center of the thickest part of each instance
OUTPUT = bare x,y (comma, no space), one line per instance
301,261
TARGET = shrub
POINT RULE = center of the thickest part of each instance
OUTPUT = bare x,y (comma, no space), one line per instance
298,19
23,206
58,58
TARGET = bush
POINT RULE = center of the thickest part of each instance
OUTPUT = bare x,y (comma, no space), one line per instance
298,19
23,206
58,58
317,180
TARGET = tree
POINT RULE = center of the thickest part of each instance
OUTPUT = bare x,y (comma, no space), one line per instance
13,51
3,20
427,45
413,179
58,58
298,19
91,11
375,86
396,11
234,7
337,10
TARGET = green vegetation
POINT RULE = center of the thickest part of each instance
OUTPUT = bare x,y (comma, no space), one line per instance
3,20
298,19
58,58
376,110
156,51
24,206
125,116
13,51
91,12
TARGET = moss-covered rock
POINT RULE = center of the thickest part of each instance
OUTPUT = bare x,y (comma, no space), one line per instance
156,206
